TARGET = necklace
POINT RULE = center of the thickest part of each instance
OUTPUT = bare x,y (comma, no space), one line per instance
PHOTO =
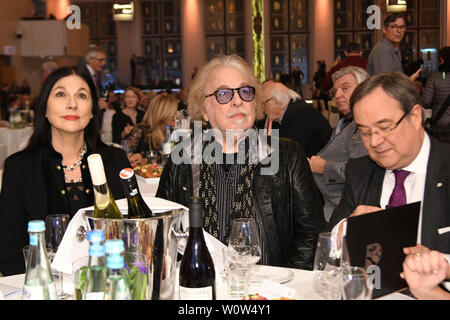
78,162
74,166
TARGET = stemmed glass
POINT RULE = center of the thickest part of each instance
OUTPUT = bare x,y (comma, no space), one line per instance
55,227
331,256
244,245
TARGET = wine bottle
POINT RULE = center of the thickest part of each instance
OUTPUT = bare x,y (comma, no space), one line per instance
39,284
94,287
116,287
104,204
197,275
167,146
137,208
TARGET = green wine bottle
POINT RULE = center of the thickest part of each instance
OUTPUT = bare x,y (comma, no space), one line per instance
137,208
104,204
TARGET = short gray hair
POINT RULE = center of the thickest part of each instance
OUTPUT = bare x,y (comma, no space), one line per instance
283,96
359,73
49,66
92,53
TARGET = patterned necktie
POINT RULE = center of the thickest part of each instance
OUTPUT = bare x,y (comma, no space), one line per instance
398,196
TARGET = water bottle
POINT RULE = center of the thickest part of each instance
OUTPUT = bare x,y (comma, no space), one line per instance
116,287
94,288
39,284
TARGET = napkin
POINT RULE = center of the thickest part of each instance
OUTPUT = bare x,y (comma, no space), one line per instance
72,249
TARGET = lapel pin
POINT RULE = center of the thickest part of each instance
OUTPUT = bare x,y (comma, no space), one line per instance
439,185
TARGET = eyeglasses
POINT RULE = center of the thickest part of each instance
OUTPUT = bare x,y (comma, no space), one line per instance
101,59
366,133
225,95
398,28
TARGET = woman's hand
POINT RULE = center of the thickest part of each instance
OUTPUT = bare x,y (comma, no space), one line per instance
127,130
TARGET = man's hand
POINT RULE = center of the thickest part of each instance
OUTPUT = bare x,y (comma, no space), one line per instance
102,103
424,270
317,164
416,75
362,210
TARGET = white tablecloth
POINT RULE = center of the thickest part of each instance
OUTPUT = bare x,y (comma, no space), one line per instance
14,140
302,283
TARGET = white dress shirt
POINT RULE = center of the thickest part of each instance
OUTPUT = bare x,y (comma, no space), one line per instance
414,186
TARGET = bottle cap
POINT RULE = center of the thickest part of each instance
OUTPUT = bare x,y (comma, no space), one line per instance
96,236
126,173
96,169
36,226
196,212
114,247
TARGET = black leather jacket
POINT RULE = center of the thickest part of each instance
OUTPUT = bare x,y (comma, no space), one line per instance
288,202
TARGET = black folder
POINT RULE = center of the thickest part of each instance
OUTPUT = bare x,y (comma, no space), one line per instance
378,239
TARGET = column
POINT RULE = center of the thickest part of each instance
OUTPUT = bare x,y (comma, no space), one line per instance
192,37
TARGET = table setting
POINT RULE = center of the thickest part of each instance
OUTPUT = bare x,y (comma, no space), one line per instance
238,276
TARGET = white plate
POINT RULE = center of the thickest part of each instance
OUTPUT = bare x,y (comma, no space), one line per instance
280,275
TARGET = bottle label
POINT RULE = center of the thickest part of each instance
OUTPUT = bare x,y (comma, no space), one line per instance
33,239
167,148
93,296
126,173
40,292
205,293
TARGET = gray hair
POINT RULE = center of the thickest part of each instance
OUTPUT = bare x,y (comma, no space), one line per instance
283,96
92,53
49,66
359,73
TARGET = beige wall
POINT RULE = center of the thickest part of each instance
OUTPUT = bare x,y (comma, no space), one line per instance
192,37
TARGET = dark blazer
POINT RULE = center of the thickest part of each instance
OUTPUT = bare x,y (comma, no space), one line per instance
287,203
34,187
304,124
120,121
98,83
364,180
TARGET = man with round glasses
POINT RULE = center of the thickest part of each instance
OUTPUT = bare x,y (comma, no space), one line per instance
404,164
238,181
386,56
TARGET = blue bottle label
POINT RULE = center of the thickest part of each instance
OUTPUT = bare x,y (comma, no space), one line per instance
33,239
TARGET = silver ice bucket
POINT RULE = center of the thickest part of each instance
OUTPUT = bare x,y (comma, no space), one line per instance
154,237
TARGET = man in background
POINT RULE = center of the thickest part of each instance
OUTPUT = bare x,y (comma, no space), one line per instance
353,57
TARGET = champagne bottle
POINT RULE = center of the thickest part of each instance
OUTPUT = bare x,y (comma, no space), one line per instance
96,272
116,287
38,283
104,204
137,208
197,275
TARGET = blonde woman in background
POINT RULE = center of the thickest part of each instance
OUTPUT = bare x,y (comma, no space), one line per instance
160,113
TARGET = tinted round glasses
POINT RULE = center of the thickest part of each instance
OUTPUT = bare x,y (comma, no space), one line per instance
225,95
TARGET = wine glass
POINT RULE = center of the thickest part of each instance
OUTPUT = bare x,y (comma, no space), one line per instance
355,284
55,227
245,247
331,256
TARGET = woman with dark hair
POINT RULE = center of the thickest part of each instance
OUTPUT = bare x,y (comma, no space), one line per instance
436,91
51,175
125,120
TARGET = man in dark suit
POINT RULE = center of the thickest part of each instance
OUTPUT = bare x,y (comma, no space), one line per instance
296,120
95,60
403,165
